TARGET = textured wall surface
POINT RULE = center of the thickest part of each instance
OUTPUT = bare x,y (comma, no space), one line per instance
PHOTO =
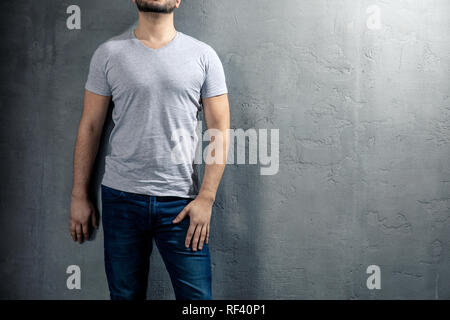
364,119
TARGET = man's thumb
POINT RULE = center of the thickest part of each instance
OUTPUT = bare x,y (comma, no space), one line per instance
180,216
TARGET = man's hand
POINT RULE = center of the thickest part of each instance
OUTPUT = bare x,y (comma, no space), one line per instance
199,212
82,215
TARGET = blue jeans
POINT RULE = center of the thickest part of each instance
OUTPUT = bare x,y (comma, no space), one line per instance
130,222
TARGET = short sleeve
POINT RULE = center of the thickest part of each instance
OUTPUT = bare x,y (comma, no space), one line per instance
215,82
97,81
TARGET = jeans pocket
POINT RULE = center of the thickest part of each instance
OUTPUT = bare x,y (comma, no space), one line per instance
111,193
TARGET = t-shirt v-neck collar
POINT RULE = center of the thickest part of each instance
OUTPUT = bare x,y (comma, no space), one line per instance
165,47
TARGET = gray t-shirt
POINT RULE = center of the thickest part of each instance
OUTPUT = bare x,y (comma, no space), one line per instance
155,92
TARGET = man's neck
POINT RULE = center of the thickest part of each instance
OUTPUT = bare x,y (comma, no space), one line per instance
155,28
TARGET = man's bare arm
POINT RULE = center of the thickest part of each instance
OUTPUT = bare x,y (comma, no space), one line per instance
82,211
217,118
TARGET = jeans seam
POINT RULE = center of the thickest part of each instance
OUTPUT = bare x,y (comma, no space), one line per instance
150,209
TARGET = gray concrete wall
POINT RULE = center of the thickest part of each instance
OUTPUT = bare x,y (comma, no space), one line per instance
364,119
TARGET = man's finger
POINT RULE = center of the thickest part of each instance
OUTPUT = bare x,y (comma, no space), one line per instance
202,238
196,237
72,231
181,215
85,228
94,220
189,234
78,230
207,233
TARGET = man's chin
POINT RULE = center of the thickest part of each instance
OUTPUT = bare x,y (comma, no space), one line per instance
150,6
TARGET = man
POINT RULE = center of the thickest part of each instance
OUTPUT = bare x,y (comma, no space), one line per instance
159,80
